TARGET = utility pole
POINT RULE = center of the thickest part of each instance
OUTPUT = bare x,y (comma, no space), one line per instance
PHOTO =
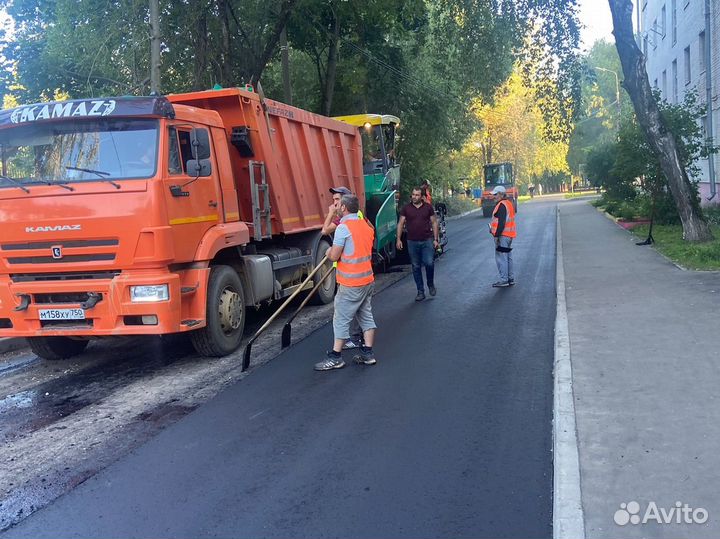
617,92
285,56
708,85
154,47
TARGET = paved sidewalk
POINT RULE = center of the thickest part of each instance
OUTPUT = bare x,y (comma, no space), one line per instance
645,345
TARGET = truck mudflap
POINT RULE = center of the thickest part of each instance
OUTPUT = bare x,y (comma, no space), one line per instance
90,305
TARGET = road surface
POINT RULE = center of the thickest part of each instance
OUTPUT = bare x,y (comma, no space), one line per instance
449,435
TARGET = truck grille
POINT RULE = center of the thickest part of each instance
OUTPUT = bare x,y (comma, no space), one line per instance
59,251
65,297
64,243
70,276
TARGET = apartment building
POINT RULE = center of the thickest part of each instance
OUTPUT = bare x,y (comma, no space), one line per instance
673,36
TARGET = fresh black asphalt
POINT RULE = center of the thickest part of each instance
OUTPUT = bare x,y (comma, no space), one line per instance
449,435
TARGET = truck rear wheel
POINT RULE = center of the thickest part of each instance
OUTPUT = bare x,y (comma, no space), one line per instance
56,348
225,315
326,292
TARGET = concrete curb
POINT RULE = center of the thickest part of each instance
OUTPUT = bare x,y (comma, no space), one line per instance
10,344
568,517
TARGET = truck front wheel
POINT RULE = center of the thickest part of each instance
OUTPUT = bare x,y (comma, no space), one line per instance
225,315
56,348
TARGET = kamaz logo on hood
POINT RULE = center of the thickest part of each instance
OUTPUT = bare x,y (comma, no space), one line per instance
54,228
70,109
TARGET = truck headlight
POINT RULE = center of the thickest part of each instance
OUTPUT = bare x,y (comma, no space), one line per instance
149,293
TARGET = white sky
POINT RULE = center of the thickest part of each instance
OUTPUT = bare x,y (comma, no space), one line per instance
597,21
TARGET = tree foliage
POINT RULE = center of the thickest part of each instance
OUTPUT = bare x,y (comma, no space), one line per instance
425,61
628,167
512,128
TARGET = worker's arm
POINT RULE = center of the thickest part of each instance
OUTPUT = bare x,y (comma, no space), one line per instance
329,226
501,215
401,224
334,253
436,230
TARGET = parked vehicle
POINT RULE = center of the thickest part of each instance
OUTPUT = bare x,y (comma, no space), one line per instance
382,178
498,174
162,215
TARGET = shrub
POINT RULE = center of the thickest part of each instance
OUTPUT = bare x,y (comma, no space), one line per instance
712,214
457,205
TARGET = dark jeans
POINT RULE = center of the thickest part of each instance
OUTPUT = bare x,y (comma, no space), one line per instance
422,254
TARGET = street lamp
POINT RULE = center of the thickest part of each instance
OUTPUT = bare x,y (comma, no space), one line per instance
617,88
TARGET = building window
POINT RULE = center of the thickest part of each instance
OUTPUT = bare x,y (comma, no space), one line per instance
701,52
645,45
674,82
673,19
663,18
688,70
655,34
664,84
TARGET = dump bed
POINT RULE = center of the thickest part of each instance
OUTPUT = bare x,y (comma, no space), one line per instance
303,155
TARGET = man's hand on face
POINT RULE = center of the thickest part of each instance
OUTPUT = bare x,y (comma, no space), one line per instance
332,209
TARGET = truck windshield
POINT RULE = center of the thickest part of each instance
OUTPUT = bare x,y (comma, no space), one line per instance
498,175
372,149
79,151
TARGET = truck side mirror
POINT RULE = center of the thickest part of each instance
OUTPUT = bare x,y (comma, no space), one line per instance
199,144
199,168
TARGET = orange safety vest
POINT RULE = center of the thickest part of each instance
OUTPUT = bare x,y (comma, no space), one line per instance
356,269
509,229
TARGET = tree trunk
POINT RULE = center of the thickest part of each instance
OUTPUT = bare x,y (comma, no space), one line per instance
285,58
662,141
273,39
200,56
154,47
331,68
225,57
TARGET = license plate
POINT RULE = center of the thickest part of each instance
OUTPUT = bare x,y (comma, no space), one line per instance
62,314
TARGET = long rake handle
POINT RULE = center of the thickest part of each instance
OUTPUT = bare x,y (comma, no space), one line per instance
282,307
310,295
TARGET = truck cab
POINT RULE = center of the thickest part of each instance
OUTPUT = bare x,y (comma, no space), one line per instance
498,174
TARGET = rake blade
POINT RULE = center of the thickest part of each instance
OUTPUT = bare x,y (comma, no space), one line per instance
246,357
286,335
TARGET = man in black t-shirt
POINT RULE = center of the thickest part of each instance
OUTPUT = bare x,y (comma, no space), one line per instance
423,238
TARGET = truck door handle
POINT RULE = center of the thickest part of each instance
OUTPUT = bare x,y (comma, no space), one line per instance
212,204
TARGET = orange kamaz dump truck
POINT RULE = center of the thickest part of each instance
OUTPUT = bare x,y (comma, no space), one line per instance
161,215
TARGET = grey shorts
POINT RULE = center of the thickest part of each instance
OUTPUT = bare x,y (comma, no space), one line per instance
349,302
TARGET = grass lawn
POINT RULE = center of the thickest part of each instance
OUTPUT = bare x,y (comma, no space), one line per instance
668,240
581,194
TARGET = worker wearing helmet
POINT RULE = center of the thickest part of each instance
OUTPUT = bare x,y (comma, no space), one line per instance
503,231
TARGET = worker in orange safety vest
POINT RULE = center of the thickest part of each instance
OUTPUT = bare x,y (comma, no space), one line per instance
352,249
503,231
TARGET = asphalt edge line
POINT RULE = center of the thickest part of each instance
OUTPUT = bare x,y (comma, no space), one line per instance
568,517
